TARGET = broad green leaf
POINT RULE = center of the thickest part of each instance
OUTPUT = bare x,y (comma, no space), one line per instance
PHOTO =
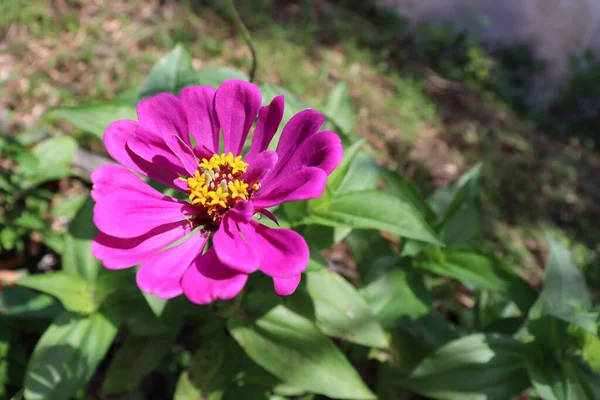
591,350
67,355
481,269
54,158
473,367
433,328
397,293
339,175
136,358
408,191
21,303
340,310
8,237
168,73
73,291
362,175
292,106
293,349
95,118
185,389
373,209
562,380
338,108
369,248
156,304
565,294
77,255
216,76
458,208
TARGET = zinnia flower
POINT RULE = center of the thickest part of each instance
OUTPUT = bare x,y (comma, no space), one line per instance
177,142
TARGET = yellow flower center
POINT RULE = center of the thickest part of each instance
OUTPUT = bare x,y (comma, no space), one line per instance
218,184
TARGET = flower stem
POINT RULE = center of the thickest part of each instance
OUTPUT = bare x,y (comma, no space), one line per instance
247,38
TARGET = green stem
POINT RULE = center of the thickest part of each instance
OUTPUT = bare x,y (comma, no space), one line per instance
247,38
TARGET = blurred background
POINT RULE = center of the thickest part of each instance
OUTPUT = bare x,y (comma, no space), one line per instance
437,87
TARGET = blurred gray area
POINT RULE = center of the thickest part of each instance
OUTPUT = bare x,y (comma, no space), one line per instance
555,29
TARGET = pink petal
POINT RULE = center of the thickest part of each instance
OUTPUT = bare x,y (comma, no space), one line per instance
300,127
283,252
110,177
162,273
260,167
236,103
242,212
308,183
152,148
322,150
209,280
129,213
233,250
117,253
286,286
198,103
183,152
269,118
164,115
115,140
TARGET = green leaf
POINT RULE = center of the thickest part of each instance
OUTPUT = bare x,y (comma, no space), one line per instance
340,174
562,380
95,118
340,311
591,350
293,349
373,209
77,255
156,304
8,238
395,294
54,158
293,105
473,367
407,191
169,74
136,358
73,291
67,355
481,269
565,294
338,108
186,390
21,303
215,76
370,249
459,207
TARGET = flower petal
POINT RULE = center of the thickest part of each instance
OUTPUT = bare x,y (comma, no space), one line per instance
236,103
115,139
260,167
183,152
269,118
308,183
164,115
233,250
127,213
117,253
151,147
286,286
300,127
198,103
110,177
283,252
242,212
322,150
161,274
209,280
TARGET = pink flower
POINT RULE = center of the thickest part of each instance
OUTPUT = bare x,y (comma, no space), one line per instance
224,191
